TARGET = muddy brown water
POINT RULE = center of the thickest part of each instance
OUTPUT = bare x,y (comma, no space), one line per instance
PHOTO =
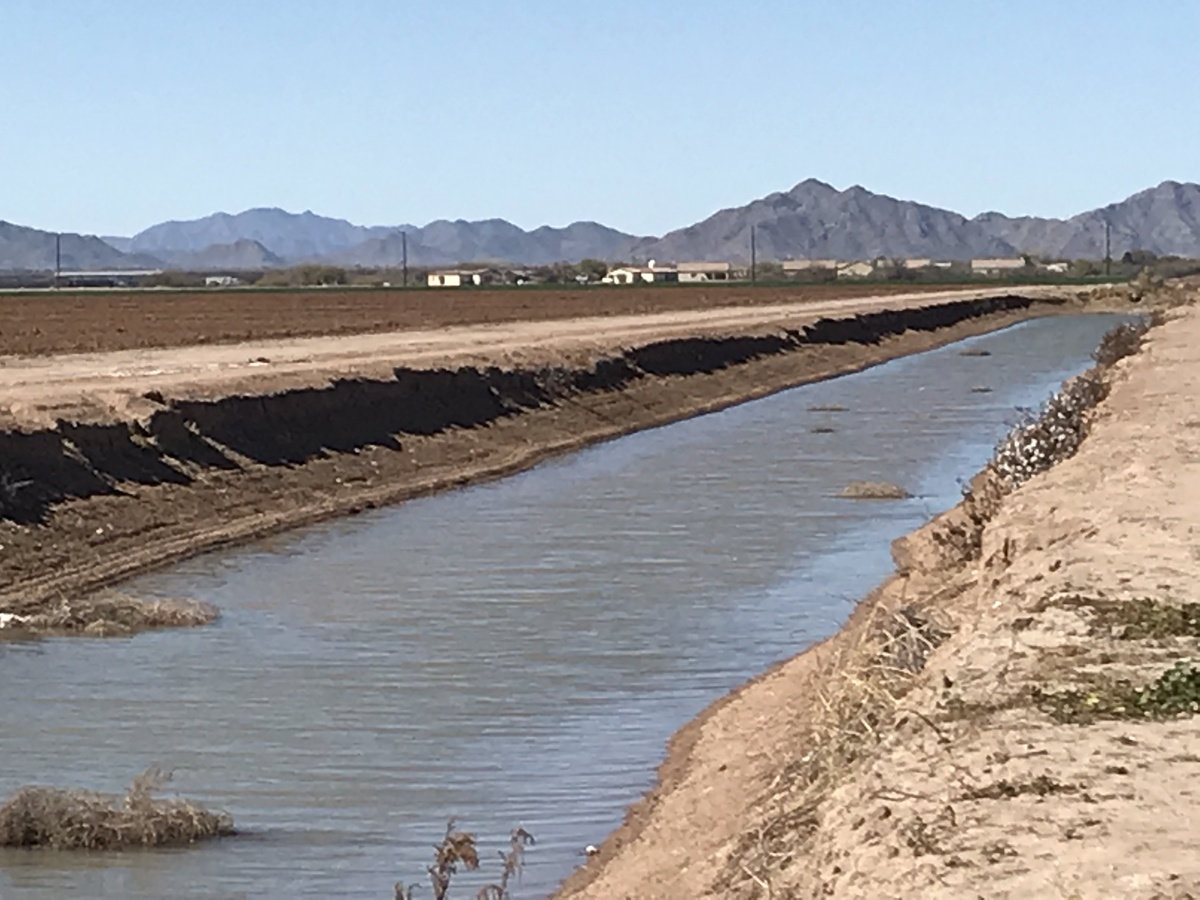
515,653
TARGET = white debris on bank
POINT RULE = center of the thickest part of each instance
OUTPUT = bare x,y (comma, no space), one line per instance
1053,435
12,620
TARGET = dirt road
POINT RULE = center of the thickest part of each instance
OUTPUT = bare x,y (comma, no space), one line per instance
110,385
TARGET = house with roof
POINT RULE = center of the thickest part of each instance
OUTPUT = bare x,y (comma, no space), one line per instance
650,274
455,277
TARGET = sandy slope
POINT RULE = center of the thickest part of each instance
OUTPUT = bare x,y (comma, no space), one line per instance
973,789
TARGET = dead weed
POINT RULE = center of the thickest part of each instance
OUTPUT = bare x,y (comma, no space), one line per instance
66,819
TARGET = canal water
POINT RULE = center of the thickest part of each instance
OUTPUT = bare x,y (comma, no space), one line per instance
516,653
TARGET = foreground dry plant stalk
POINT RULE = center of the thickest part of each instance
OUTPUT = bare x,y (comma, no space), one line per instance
458,848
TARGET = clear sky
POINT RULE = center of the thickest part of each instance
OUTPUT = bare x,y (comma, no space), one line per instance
116,114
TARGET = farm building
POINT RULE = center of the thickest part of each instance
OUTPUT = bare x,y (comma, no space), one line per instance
997,266
706,271
796,266
455,277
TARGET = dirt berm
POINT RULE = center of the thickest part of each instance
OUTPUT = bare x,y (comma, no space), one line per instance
1015,713
85,503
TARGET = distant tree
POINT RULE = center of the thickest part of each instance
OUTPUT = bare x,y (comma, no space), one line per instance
594,269
897,270
322,276
1139,258
307,275
768,271
172,278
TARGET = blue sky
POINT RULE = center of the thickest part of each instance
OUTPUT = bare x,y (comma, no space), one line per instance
643,115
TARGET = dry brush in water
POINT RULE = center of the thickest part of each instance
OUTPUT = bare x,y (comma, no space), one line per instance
71,819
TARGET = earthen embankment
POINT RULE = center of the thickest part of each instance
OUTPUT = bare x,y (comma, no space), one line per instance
95,497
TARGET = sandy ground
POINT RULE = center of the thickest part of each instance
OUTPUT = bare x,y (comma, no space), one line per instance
108,386
984,776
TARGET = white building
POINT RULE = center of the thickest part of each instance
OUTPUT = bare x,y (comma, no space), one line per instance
650,274
221,281
454,277
998,266
855,270
706,271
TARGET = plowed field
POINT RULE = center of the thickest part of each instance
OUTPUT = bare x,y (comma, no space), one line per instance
44,322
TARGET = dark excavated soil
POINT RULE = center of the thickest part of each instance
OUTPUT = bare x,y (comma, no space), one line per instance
84,505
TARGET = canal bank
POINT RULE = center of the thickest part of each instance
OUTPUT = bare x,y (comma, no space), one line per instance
1011,713
89,502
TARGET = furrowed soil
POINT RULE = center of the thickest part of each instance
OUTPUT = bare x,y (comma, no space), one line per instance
71,321
114,462
1014,713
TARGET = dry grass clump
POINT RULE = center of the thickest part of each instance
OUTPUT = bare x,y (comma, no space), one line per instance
112,614
60,819
863,688
1135,618
1041,786
1120,342
874,490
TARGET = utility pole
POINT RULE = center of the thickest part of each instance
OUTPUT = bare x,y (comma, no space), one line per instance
57,257
753,257
1107,248
404,251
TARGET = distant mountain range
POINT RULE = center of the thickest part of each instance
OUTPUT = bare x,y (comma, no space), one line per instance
27,249
444,243
812,220
290,236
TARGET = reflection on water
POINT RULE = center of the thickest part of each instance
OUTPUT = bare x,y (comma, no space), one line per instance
513,653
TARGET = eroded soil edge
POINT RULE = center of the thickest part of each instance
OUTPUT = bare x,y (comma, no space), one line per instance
86,503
